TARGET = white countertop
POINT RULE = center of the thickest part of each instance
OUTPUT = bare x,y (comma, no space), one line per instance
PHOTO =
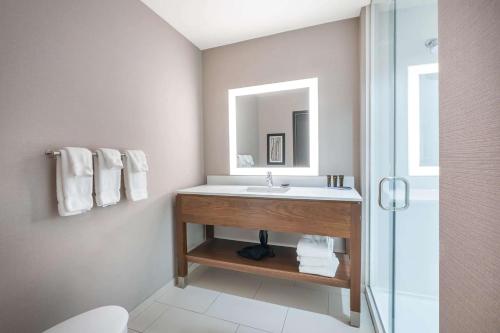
304,193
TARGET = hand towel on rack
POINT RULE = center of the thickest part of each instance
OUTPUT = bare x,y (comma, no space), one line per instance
315,246
59,191
74,193
135,173
108,177
80,161
138,160
328,270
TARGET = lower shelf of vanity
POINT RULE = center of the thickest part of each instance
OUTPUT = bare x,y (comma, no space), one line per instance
221,253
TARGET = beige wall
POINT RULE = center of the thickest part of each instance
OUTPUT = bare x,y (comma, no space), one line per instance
328,51
90,73
469,92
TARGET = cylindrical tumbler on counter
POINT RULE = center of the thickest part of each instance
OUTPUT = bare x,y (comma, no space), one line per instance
334,181
331,181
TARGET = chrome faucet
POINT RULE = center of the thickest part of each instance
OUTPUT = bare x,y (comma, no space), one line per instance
269,179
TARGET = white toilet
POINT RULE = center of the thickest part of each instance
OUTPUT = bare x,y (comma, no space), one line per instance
106,319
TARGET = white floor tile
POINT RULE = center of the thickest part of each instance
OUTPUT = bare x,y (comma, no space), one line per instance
182,321
299,321
337,320
249,312
150,300
293,295
340,309
140,308
190,298
228,313
147,317
246,329
229,282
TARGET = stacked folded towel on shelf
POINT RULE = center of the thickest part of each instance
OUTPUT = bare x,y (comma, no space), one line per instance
315,255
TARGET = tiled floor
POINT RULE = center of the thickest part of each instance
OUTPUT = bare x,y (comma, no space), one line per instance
220,301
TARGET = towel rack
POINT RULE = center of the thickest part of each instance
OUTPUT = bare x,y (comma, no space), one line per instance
55,153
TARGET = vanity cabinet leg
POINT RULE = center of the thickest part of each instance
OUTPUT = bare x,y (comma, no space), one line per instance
181,245
181,282
355,260
209,232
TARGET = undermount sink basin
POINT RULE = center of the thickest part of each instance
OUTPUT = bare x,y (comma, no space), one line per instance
265,189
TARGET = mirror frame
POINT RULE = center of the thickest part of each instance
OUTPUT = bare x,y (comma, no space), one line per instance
312,170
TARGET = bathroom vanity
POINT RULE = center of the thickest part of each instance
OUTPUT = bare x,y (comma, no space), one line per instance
304,210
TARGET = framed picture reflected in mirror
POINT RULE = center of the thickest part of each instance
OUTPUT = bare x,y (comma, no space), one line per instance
276,149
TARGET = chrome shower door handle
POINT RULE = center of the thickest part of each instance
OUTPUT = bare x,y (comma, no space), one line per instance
394,208
380,185
407,193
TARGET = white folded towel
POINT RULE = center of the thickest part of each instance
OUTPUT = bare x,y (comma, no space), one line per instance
59,190
112,158
135,173
74,192
137,160
315,246
108,177
327,270
245,161
80,161
314,261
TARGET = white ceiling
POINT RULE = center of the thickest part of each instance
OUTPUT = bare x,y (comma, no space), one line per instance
211,23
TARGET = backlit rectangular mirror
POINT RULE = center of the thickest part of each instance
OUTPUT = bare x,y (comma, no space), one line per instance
274,127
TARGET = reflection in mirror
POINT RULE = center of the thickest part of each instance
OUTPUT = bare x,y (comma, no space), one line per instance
429,120
273,129
423,120
274,126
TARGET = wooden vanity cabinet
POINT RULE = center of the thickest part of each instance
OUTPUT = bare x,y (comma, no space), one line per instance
316,217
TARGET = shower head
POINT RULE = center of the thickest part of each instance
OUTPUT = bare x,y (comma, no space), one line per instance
432,44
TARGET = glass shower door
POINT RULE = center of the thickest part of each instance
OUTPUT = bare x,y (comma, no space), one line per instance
404,170
382,158
416,233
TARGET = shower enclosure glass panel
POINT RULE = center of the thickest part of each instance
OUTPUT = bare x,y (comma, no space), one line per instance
416,247
404,125
382,149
